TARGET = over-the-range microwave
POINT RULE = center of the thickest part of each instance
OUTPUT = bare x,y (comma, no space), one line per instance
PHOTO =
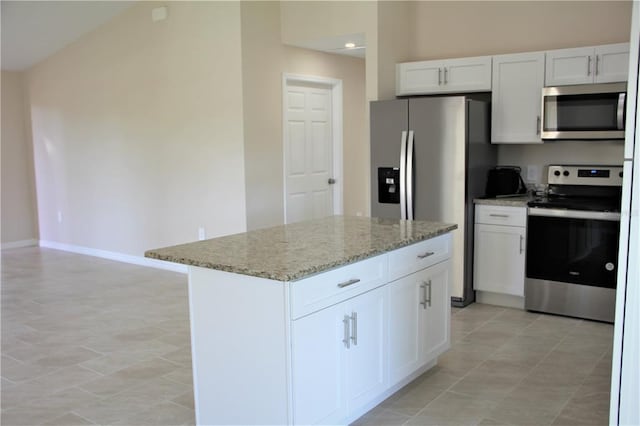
585,111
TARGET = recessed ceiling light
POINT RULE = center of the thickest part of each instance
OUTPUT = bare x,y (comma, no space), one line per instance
349,45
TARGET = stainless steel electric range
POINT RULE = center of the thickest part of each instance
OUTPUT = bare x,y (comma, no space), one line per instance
572,243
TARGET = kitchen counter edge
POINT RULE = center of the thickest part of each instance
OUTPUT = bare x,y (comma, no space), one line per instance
170,254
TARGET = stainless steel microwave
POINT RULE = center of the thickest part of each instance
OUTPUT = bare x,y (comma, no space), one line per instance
586,111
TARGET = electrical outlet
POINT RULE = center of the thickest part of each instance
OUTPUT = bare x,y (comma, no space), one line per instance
533,173
201,235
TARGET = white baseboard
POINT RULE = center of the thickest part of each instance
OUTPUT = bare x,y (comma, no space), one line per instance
120,257
18,244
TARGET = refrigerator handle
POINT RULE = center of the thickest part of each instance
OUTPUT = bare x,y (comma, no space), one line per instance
409,177
403,175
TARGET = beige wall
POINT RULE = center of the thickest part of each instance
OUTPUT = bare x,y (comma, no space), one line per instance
265,60
18,197
395,41
137,130
450,29
262,56
303,21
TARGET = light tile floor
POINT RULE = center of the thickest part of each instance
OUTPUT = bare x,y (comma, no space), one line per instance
91,341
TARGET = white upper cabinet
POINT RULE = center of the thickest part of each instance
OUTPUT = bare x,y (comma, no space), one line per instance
600,64
444,76
516,96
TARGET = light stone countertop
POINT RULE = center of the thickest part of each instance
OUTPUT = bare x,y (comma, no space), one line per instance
295,251
515,201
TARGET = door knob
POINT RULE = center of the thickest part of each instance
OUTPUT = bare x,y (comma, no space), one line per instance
331,181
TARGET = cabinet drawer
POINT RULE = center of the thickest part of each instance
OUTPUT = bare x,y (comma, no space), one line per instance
415,257
501,215
331,287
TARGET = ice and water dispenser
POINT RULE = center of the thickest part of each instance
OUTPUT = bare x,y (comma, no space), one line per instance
388,185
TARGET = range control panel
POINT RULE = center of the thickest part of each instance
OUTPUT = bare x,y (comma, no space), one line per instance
585,175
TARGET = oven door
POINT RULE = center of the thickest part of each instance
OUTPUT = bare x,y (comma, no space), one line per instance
579,247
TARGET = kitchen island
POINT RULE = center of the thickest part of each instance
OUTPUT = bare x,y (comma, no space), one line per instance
314,322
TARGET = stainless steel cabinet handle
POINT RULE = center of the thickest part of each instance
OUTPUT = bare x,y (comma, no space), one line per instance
521,245
597,64
348,283
423,295
589,66
345,340
354,328
498,215
538,125
445,76
439,76
425,255
429,293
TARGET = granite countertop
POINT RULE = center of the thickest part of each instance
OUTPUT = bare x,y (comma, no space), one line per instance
513,201
295,251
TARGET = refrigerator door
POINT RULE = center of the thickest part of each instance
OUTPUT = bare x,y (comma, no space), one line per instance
629,409
625,374
389,119
440,126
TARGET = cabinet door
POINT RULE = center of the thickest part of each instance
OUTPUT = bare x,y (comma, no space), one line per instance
318,360
367,374
612,63
499,256
418,319
467,74
516,98
436,311
569,66
414,78
405,330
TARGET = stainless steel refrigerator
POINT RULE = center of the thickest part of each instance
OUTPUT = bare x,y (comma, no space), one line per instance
429,160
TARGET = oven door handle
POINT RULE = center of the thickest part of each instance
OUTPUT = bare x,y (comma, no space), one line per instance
574,214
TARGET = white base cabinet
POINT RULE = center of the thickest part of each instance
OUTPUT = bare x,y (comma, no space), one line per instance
321,350
500,249
339,362
419,308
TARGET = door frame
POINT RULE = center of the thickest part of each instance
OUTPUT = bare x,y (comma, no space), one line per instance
335,85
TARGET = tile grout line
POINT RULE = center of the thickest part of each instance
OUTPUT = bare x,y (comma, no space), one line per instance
460,379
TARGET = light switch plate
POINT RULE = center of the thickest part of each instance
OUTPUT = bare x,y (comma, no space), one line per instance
159,14
533,173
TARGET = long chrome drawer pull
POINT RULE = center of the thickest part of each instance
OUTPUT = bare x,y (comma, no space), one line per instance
354,328
345,340
423,296
429,299
498,215
348,283
425,255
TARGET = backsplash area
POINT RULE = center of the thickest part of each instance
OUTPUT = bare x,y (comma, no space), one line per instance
534,159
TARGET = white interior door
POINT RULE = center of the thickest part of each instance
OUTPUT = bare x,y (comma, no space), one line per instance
308,152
